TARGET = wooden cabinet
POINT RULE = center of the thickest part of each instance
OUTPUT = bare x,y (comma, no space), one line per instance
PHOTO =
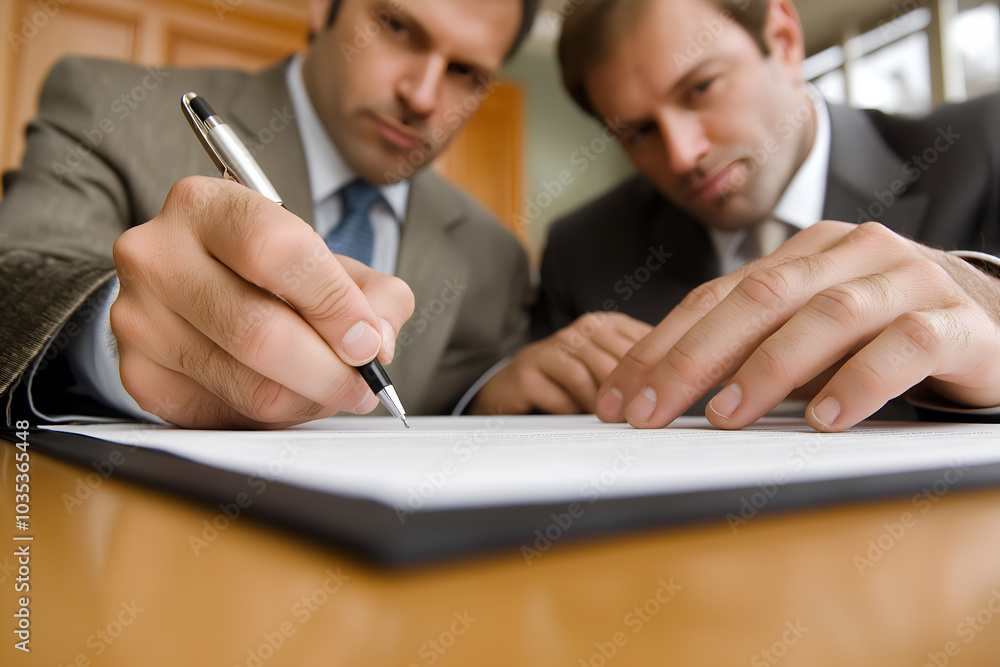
485,158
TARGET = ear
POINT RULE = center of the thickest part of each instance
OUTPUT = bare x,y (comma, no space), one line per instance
319,11
783,32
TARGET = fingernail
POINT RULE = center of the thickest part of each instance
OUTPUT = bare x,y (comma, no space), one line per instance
361,343
827,411
642,406
388,340
611,404
726,401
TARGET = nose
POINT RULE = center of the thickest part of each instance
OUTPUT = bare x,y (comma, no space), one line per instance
419,87
684,139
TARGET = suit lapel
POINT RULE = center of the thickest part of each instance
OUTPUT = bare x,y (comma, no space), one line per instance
263,115
867,180
432,264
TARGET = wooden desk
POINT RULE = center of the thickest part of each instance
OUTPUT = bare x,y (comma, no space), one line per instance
115,580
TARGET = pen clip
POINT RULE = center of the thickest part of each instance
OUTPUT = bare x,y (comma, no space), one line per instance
202,131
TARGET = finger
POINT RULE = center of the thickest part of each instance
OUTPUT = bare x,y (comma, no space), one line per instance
828,326
275,250
592,345
620,334
636,367
721,341
256,331
180,400
390,298
917,345
551,396
181,348
572,377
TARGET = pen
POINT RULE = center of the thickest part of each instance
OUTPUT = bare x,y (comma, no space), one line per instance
235,163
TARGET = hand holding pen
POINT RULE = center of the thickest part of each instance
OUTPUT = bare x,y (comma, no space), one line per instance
204,343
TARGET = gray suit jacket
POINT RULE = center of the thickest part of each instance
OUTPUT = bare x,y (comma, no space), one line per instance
935,179
109,142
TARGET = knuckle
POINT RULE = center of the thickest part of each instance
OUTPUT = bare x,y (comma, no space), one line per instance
771,358
766,286
575,375
924,331
870,377
588,323
128,251
258,342
682,365
331,303
266,401
398,292
875,236
346,392
704,297
569,338
840,304
826,227
135,382
122,318
191,193
255,238
642,357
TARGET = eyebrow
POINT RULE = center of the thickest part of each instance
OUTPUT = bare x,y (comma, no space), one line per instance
683,81
693,73
423,37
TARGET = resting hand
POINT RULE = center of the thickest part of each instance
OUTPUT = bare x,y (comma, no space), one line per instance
894,312
203,341
561,374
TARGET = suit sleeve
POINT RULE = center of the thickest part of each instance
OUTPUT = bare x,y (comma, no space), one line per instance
61,213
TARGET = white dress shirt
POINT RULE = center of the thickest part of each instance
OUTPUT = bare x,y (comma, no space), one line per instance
800,206
328,173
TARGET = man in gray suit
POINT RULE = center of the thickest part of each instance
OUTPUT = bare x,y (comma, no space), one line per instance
195,335
736,154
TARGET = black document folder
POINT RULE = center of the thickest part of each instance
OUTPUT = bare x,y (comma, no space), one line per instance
396,534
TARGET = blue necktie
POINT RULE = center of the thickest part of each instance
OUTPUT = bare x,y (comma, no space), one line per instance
354,236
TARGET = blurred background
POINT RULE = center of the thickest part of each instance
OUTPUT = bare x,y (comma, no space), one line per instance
528,154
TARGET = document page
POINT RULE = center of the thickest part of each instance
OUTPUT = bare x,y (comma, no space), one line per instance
462,462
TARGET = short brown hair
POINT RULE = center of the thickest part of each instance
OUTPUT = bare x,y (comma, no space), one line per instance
595,27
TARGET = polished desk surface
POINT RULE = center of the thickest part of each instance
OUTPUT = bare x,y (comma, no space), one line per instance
115,580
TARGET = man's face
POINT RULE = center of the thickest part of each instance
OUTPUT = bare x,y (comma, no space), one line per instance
710,120
394,80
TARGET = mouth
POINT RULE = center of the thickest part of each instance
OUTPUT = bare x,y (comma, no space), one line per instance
396,133
715,186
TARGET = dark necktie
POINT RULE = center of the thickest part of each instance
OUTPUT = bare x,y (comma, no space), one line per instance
354,236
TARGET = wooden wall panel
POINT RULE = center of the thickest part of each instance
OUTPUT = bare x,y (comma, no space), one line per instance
51,32
485,157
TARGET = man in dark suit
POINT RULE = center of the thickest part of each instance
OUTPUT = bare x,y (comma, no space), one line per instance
194,336
736,154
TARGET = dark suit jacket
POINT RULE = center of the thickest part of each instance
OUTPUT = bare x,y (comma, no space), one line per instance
935,179
109,142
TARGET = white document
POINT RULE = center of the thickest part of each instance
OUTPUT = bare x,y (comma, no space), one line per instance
455,462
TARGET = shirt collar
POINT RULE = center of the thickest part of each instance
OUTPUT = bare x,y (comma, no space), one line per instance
801,204
327,170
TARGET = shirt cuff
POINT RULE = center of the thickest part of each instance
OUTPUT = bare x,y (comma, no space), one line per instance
463,404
